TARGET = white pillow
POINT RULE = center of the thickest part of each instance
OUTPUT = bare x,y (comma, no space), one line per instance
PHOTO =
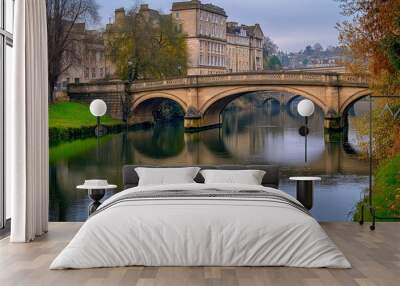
166,176
247,177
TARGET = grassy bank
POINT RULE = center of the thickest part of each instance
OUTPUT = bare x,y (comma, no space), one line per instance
75,115
71,120
386,191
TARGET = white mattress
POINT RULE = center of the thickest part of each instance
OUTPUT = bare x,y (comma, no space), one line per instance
200,232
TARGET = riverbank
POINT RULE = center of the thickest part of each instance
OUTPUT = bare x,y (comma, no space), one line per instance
386,191
70,120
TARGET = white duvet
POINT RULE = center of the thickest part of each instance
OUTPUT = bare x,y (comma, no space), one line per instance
200,232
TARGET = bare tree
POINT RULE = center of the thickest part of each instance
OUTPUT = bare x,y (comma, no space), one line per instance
269,47
62,16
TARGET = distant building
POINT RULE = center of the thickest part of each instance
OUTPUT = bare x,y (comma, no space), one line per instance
311,58
256,37
87,62
205,29
238,48
215,46
244,47
120,16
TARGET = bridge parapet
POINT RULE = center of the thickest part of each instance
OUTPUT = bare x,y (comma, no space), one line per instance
288,78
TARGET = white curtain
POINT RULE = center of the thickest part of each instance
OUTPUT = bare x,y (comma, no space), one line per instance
27,124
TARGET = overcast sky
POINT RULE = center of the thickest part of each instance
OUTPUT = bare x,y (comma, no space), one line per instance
291,24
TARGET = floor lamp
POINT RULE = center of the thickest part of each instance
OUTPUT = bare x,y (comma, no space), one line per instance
98,108
305,108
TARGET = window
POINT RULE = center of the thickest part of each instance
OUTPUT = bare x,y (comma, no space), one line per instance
177,14
6,65
86,73
93,72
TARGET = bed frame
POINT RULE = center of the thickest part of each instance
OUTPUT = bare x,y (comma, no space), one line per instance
271,177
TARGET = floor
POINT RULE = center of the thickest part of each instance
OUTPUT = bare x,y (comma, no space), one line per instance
375,257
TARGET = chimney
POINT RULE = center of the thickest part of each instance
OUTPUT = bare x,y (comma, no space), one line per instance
119,15
144,7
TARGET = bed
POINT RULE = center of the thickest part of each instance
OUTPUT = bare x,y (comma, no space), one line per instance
198,224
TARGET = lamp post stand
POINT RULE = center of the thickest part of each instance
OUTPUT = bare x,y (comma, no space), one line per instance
305,138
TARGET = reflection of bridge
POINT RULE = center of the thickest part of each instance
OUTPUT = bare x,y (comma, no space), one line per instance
210,148
203,98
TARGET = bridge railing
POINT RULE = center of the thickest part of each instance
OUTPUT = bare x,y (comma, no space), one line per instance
284,77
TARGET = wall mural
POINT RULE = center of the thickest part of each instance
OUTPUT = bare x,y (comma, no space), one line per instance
186,98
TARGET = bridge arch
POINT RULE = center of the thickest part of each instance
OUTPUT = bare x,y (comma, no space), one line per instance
232,94
271,96
294,97
353,98
213,108
344,111
159,95
143,107
268,99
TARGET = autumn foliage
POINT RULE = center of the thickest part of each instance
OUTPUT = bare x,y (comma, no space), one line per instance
372,37
147,46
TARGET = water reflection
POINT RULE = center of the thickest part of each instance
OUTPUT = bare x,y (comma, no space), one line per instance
262,135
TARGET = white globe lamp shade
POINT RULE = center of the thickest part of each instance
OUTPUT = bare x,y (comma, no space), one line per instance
306,108
98,107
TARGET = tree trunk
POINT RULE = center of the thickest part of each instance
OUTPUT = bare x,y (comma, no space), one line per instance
51,94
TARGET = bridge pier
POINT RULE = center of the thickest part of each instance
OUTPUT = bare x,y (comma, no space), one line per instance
333,128
199,124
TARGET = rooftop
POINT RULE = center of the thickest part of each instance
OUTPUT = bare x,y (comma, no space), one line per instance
233,28
196,4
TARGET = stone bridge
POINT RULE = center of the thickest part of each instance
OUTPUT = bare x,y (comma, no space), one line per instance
203,98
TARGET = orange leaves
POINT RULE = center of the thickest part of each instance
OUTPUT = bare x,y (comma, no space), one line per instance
374,21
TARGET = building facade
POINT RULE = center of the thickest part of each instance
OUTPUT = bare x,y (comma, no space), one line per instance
205,29
215,45
238,48
256,38
88,62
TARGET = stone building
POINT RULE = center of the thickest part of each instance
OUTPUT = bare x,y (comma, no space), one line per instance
256,38
237,49
88,61
215,45
120,16
205,29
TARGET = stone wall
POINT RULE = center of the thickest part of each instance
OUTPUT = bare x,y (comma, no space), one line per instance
114,106
113,93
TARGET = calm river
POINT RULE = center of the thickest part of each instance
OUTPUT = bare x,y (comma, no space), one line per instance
261,135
